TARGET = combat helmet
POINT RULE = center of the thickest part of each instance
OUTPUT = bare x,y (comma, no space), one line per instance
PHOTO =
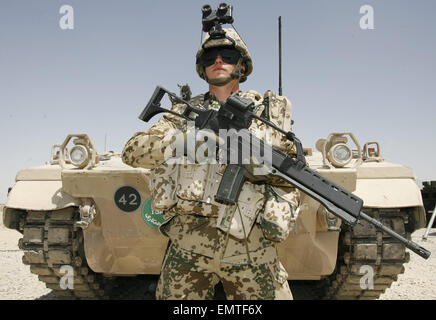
231,39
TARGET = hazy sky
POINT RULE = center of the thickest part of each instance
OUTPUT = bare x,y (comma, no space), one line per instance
96,78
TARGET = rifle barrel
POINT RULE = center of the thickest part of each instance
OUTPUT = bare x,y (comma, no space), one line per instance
409,244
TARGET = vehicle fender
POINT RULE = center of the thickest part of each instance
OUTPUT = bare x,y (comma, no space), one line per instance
388,193
39,196
392,193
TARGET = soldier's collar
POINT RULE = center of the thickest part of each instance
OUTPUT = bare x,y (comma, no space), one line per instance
211,97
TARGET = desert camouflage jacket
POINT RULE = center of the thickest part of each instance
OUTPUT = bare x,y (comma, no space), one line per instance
184,192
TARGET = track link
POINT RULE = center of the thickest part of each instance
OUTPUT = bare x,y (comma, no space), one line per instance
51,241
367,253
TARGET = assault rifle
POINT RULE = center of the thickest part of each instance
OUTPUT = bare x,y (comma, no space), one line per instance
237,113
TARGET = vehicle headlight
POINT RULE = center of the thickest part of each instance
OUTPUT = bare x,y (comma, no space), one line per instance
340,154
79,156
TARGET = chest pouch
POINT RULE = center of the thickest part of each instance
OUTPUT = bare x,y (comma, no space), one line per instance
239,221
279,215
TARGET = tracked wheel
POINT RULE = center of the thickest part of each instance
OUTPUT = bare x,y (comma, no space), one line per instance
53,248
369,261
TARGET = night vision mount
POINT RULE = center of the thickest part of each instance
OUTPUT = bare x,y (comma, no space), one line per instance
214,19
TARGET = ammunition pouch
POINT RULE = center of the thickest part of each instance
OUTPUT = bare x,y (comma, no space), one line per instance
240,219
279,215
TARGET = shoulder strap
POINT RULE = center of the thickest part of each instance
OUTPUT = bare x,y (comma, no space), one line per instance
266,101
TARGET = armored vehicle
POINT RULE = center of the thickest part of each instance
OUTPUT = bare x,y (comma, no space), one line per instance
338,256
88,216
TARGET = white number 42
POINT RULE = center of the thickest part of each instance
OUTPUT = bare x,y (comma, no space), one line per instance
132,199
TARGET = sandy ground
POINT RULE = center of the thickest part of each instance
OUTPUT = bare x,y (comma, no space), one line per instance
17,283
418,282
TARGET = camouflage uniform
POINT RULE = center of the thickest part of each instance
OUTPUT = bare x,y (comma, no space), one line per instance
206,245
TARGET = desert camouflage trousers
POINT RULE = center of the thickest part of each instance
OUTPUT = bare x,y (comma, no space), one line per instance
189,276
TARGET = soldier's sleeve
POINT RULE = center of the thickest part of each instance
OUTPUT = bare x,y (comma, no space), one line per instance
148,149
279,111
280,213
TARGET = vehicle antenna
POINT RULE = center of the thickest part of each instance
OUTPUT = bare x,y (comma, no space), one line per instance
280,55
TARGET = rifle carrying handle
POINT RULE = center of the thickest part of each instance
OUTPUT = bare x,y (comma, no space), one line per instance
231,184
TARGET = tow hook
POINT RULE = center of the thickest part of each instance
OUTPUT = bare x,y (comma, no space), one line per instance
87,215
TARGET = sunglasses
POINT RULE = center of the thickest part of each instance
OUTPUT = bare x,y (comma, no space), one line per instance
229,55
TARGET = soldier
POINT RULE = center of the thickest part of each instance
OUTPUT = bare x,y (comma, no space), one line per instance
211,241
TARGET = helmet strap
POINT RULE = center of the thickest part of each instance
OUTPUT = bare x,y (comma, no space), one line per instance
219,82
236,74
